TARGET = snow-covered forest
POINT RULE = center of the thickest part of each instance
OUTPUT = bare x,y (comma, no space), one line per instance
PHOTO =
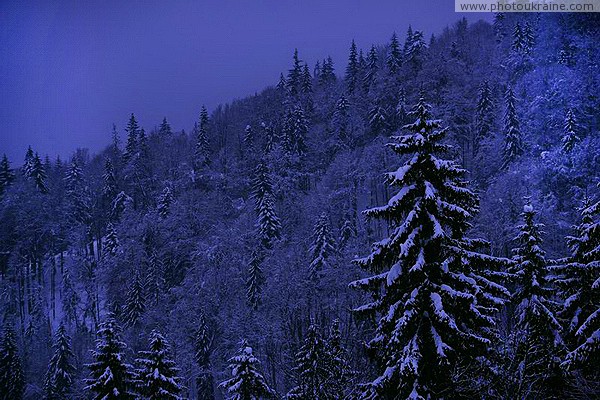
417,221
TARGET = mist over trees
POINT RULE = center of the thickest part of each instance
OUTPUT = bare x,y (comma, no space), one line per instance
419,221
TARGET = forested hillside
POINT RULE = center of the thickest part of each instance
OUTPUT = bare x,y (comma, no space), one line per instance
235,260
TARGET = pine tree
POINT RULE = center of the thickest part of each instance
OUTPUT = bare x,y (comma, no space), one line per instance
111,240
133,131
164,202
7,175
157,376
294,75
322,248
109,181
295,131
247,382
12,378
255,279
579,283
537,330
352,69
314,370
394,55
202,151
110,378
58,384
269,225
165,128
513,145
371,68
485,105
432,289
135,303
203,340
570,129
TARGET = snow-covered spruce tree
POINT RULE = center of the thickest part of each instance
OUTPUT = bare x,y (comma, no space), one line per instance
270,137
157,376
164,202
247,382
135,302
7,175
579,285
109,182
119,204
351,77
155,280
12,378
269,225
513,145
340,370
249,136
314,370
202,149
519,43
165,128
322,247
378,120
28,163
528,38
371,68
131,147
347,232
111,240
281,84
115,147
60,377
77,193
394,55
203,340
413,47
38,174
327,76
70,298
255,279
306,81
110,378
294,75
432,290
340,119
570,128
537,337
295,130
485,114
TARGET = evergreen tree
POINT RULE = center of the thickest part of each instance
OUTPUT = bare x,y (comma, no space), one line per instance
295,130
164,202
401,111
249,136
77,193
202,351
131,147
270,137
519,43
247,382
570,129
110,378
378,120
485,106
70,298
432,289
12,378
7,175
269,225
394,55
347,231
352,69
165,128
255,279
135,303
294,75
115,140
371,68
157,377
282,84
579,285
513,145
109,181
28,164
340,119
322,248
118,205
202,151
327,76
38,174
413,47
528,38
111,241
537,330
340,371
306,81
58,384
155,276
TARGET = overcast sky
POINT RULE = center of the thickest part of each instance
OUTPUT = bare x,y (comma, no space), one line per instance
69,69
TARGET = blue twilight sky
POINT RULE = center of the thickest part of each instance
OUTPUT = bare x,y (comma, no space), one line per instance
69,69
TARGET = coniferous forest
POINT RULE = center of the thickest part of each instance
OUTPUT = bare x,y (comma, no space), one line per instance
420,220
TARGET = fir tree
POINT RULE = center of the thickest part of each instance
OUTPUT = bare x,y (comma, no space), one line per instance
394,55
340,119
165,128
371,68
203,340
135,303
413,47
513,145
579,283
76,192
518,44
249,137
111,240
12,378
110,378
164,202
295,131
528,38
255,279
269,225
485,107
378,120
38,174
537,333
347,231
202,151
306,81
431,290
58,384
109,181
294,75
570,129
157,376
340,371
115,140
119,204
247,382
131,147
28,164
282,84
352,69
155,276
270,137
327,76
7,175
322,248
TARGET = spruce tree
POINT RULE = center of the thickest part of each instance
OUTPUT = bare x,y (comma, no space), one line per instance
327,76
111,240
537,330
202,151
570,129
371,68
115,140
110,378
294,75
579,285
38,174
165,128
109,181
131,147
12,378
340,119
306,81
269,225
7,175
513,145
157,376
282,84
247,382
135,302
378,119
432,288
77,193
322,248
255,279
60,378
519,43
28,163
394,55
347,232
249,136
295,131
340,370
352,69
203,340
485,106
528,38
164,202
